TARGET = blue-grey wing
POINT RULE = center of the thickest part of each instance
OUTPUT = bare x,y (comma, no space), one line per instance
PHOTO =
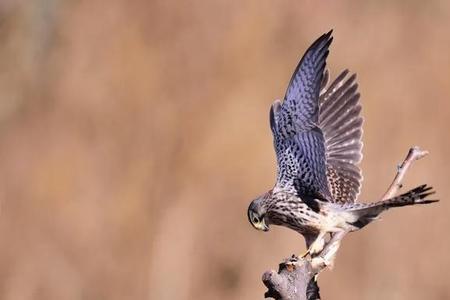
298,140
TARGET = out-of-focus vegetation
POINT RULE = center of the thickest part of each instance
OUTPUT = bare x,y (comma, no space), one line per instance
133,135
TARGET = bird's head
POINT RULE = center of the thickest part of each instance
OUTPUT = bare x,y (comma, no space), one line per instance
257,213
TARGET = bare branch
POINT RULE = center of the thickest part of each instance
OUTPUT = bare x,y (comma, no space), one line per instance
414,154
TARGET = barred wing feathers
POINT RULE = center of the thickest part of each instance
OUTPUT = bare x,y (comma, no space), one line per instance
299,142
341,124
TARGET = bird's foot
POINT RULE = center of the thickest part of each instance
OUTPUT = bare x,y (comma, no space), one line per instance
323,262
313,250
305,254
325,259
316,247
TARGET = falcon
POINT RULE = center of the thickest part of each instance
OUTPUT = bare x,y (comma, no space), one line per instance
317,132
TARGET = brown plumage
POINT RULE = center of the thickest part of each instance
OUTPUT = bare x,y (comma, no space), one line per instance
317,133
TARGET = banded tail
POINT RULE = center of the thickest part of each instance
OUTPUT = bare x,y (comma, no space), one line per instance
366,213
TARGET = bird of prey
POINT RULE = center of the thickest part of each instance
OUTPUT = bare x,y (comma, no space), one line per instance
317,132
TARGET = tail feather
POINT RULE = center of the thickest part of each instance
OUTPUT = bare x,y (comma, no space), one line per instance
414,196
366,213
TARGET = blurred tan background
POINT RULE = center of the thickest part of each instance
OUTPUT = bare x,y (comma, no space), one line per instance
134,134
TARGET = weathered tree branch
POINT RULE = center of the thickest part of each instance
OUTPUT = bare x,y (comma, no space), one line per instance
414,154
296,277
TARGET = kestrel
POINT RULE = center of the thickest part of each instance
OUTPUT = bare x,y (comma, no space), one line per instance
317,132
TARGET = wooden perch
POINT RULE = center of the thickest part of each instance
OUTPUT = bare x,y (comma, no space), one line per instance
414,154
296,277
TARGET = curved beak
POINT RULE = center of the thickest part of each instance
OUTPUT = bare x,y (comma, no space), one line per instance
262,225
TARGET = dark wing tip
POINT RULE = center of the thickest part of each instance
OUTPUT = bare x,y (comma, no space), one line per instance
324,38
319,50
272,119
274,108
322,43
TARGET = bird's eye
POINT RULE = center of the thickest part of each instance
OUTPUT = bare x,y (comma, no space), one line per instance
255,220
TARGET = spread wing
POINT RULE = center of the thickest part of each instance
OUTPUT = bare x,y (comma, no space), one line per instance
298,140
341,124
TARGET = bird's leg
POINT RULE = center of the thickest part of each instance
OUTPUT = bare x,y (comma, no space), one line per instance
315,244
309,239
328,254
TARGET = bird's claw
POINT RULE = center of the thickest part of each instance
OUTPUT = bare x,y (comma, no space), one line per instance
305,254
322,261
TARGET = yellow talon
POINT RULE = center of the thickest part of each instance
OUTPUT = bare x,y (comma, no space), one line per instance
304,254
